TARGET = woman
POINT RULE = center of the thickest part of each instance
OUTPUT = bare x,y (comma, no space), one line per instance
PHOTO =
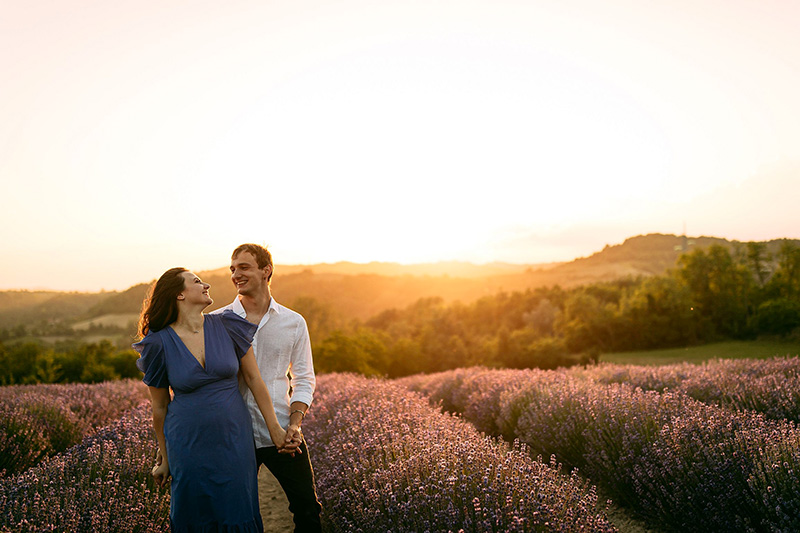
204,433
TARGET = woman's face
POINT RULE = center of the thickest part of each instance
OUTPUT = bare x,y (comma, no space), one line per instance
195,291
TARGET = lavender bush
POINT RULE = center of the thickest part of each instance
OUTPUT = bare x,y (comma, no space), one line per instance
34,427
768,386
37,421
102,484
475,392
386,461
681,464
97,404
708,471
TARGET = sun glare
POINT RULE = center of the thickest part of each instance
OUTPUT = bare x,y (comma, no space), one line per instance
395,131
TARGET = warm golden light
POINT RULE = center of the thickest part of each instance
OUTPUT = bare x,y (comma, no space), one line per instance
140,137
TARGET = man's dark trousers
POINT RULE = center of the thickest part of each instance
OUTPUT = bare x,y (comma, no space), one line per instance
297,479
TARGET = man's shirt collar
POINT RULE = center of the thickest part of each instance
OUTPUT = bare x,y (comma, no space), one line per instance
239,309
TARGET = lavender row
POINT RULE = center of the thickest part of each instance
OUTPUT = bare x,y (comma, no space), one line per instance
97,403
681,464
37,421
102,484
768,386
386,461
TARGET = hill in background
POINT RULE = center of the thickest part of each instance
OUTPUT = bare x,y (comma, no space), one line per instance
359,291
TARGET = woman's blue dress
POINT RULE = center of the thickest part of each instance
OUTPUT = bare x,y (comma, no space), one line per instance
207,428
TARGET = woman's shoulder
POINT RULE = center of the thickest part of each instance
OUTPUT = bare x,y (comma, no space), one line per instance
225,316
152,338
228,320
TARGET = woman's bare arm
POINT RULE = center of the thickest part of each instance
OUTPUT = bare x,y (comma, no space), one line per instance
159,400
255,382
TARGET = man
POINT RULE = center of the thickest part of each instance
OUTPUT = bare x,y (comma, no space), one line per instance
282,347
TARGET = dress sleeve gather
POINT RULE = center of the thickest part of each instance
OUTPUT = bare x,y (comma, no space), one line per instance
240,331
151,361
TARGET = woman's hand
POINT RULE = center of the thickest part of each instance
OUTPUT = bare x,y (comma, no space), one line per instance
278,436
161,473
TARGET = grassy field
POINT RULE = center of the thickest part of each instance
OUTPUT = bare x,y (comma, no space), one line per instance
112,320
698,354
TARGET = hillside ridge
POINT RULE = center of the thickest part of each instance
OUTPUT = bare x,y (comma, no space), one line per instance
360,290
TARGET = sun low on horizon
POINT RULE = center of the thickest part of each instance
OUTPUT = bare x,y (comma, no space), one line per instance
137,136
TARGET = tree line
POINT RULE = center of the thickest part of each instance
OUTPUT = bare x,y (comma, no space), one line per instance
66,362
712,294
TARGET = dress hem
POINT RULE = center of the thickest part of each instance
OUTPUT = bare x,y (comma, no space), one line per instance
252,526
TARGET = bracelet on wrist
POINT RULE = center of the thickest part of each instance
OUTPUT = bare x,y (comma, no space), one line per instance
302,413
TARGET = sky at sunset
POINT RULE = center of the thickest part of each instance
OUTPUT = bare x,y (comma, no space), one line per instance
140,135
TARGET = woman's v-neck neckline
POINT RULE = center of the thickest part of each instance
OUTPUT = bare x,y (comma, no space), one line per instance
196,360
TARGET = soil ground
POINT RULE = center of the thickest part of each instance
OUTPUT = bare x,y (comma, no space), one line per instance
274,506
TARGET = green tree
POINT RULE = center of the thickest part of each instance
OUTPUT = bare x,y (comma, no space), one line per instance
780,316
787,278
320,317
97,365
87,362
405,357
6,376
543,317
47,369
123,362
362,352
21,362
758,259
657,314
526,348
720,289
96,372
588,322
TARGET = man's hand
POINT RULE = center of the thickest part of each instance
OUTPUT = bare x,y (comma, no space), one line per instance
294,438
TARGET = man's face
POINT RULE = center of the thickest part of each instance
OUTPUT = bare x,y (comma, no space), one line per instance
248,279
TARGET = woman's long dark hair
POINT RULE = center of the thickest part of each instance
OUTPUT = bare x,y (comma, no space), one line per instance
160,307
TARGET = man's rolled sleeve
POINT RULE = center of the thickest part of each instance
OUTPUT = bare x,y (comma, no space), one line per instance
303,379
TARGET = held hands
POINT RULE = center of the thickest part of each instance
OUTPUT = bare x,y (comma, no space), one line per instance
288,441
294,438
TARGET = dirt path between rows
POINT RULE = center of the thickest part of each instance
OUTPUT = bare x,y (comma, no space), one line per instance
274,506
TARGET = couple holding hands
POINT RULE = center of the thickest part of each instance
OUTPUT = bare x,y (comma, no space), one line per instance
230,412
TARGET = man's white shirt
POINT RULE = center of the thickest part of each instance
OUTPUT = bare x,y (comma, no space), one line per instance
281,346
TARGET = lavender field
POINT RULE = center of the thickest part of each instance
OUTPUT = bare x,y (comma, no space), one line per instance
712,447
386,461
37,421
